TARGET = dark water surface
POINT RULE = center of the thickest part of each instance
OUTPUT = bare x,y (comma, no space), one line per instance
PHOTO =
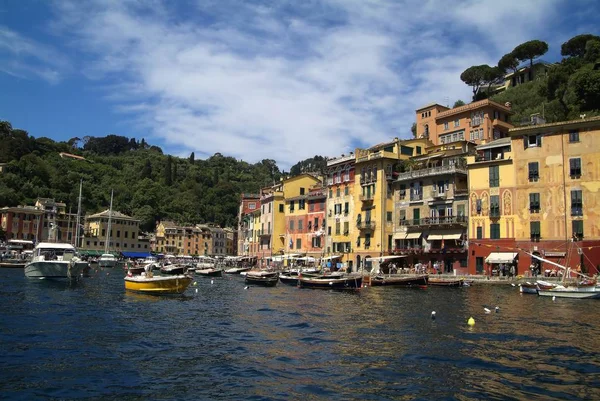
95,341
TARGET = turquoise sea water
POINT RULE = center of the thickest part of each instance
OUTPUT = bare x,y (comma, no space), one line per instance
95,341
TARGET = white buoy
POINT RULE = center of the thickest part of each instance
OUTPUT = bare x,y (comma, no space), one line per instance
486,310
212,281
513,284
433,315
246,287
195,283
554,298
196,290
497,309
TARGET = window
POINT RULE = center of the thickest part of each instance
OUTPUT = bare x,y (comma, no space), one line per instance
346,190
331,193
281,208
301,191
457,122
446,125
534,228
495,231
337,228
576,203
575,167
346,228
478,205
252,205
577,226
534,203
402,191
479,232
494,206
418,150
534,172
292,206
494,176
291,225
573,136
532,141
329,230
346,207
402,216
389,216
367,240
337,192
299,225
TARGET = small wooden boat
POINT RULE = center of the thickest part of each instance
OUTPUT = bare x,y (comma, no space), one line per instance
331,283
532,288
237,270
403,281
210,272
266,279
288,278
151,284
445,282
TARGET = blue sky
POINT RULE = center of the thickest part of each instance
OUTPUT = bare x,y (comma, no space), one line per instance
284,80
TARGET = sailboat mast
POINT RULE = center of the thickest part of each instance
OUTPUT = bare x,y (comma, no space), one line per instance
109,222
78,215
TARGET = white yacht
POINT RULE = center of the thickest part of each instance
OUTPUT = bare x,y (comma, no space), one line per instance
55,261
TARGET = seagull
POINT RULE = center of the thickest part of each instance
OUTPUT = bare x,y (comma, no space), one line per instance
486,310
246,287
433,315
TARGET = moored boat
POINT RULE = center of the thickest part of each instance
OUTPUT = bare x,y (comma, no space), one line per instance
238,270
173,269
55,261
107,260
445,282
266,279
288,278
151,284
210,272
402,281
331,283
576,292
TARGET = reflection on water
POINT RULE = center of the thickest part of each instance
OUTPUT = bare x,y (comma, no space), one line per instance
95,340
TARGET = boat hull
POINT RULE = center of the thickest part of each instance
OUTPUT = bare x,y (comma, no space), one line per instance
413,281
268,281
574,293
55,269
345,283
445,282
210,272
237,270
528,288
158,284
288,279
107,263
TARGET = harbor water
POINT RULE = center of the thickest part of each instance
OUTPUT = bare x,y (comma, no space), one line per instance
93,340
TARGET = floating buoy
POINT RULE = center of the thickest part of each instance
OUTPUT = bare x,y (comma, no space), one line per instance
195,283
513,284
497,309
471,321
108,274
246,287
554,297
196,290
433,315
212,281
486,310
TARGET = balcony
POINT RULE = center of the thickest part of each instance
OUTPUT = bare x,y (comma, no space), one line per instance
439,195
435,221
461,191
265,234
365,225
416,197
367,197
433,171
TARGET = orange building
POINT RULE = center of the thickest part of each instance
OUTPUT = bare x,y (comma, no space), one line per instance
477,122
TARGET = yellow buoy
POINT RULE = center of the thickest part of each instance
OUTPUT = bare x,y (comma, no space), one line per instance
471,322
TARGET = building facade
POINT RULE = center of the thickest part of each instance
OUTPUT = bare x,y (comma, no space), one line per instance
249,203
124,235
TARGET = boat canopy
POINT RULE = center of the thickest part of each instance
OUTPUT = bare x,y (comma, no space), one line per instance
134,255
501,257
54,245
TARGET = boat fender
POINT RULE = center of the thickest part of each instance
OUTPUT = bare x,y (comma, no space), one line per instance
471,321
433,315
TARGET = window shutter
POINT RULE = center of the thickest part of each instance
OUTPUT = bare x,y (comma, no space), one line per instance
525,140
538,140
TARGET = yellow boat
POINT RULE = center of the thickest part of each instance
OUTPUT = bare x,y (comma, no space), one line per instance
150,284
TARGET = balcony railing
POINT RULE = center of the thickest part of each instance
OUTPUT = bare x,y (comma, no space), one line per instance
426,172
416,197
365,225
435,221
366,198
439,195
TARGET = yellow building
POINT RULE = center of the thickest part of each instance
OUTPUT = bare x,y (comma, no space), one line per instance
492,224
294,234
373,197
557,203
270,226
252,241
123,237
169,238
340,227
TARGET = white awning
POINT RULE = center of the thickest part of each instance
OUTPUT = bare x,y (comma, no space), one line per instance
399,235
433,237
501,257
413,235
452,236
386,258
331,257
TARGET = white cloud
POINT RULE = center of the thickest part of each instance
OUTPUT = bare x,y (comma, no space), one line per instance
294,80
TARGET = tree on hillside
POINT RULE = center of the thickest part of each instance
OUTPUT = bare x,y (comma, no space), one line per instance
458,103
584,89
147,170
592,51
475,77
493,75
74,142
529,51
508,62
576,46
192,158
413,129
168,172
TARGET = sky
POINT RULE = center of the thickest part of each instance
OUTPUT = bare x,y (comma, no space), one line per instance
265,79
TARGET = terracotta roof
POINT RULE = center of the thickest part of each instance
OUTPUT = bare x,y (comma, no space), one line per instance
472,106
115,215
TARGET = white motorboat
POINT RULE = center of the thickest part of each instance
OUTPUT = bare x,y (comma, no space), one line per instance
55,261
107,260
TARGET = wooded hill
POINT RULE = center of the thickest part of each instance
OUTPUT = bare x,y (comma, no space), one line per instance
148,185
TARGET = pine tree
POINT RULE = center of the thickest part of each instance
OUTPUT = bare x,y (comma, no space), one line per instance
168,172
192,157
